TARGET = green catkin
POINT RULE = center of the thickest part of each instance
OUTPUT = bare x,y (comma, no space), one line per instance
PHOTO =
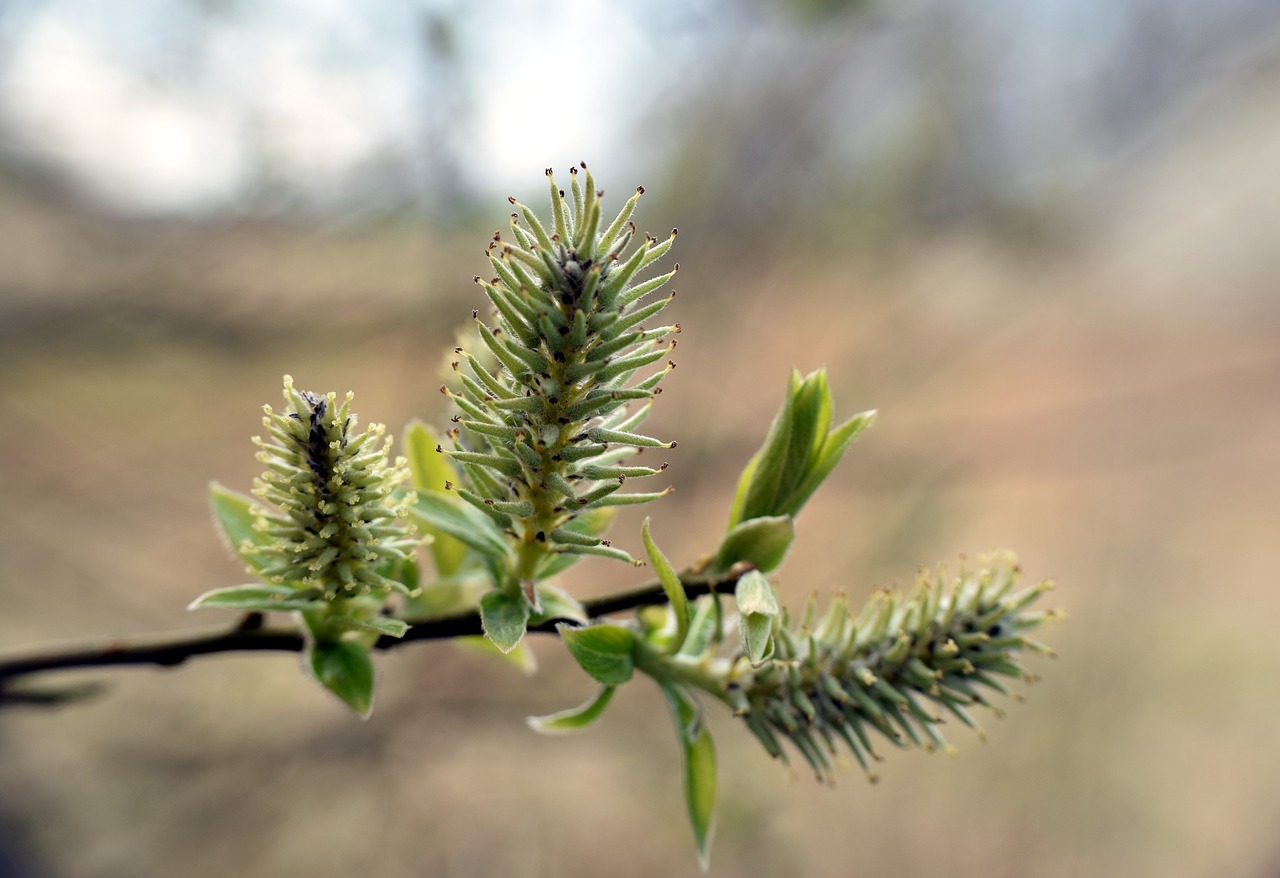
331,486
881,669
555,377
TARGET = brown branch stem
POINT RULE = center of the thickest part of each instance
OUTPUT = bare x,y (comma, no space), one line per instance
250,635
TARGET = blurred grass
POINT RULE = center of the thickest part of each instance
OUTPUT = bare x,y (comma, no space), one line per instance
1125,449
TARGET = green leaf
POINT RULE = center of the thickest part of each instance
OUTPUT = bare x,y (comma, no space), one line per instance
556,603
505,618
761,542
446,597
756,632
821,408
402,570
703,628
740,494
761,484
443,514
448,554
591,522
236,514
376,625
754,595
671,584
757,610
798,453
575,718
259,598
700,792
699,757
555,563
430,469
345,669
522,657
684,709
603,651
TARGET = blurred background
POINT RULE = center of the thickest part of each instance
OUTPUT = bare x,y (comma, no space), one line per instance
1039,237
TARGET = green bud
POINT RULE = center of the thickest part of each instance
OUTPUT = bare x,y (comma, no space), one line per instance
798,453
757,614
328,526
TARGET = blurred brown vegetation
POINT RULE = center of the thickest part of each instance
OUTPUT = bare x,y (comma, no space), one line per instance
1101,393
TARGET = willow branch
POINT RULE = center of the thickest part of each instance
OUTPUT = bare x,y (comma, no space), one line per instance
251,635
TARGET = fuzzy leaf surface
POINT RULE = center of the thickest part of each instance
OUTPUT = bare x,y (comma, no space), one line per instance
376,625
671,584
521,657
757,610
704,627
761,542
698,752
556,603
505,618
235,514
700,792
430,471
575,719
832,450
259,598
798,453
761,483
603,651
345,668
445,597
439,512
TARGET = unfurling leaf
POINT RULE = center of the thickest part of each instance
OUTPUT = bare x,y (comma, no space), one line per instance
671,584
757,612
705,627
797,454
575,718
828,455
